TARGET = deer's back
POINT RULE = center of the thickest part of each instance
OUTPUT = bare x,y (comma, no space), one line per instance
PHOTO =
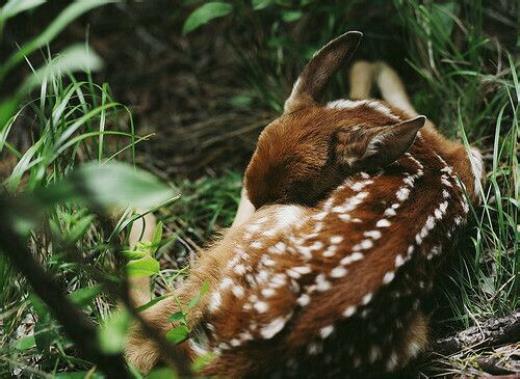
341,284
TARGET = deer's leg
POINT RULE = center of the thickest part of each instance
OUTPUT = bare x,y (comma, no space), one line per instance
392,88
361,77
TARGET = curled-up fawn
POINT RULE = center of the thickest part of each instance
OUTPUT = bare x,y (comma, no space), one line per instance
356,202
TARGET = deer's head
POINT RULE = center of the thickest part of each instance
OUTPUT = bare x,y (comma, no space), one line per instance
311,148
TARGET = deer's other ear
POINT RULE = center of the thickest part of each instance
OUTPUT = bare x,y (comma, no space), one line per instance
380,146
318,71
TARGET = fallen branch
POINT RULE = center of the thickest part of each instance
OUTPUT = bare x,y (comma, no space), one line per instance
493,332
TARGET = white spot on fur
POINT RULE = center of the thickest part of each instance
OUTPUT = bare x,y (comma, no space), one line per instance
389,212
374,234
338,272
330,252
238,291
354,257
383,223
389,276
366,299
349,311
392,362
303,300
268,292
336,239
326,331
240,269
322,284
261,306
314,348
402,194
399,261
275,326
215,301
278,280
226,283
430,223
375,352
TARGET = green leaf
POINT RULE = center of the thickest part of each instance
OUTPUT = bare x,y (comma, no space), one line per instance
69,14
261,4
84,296
145,266
162,373
13,7
203,290
78,230
134,253
25,343
177,316
205,14
120,184
178,334
157,235
112,333
291,16
152,302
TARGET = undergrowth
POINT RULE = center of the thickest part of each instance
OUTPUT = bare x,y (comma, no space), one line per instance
459,69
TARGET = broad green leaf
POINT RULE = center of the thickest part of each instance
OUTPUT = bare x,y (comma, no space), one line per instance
162,373
13,7
205,14
178,334
145,266
85,295
120,184
112,333
25,343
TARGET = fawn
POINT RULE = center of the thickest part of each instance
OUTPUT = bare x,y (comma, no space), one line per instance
327,270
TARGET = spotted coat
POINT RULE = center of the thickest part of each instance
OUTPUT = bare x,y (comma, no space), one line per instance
339,282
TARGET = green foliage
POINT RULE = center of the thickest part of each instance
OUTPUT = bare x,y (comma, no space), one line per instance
204,14
112,334
466,82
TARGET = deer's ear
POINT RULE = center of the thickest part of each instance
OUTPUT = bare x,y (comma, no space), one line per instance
321,67
380,146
